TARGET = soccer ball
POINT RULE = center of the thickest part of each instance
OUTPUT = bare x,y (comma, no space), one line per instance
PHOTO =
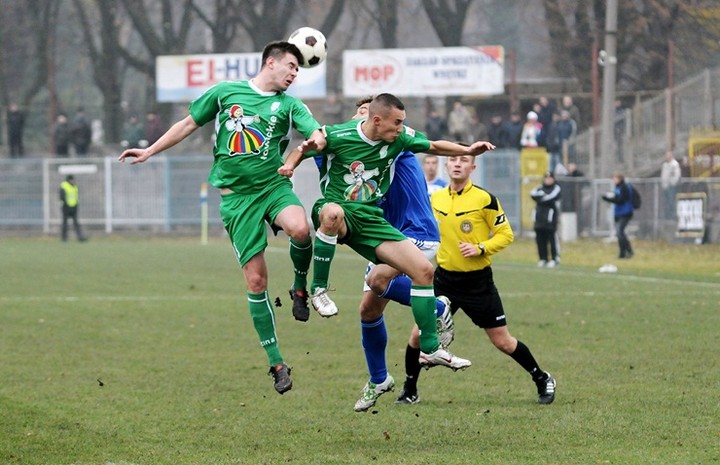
312,45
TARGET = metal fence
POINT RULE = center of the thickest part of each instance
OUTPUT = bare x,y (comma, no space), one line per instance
644,132
164,195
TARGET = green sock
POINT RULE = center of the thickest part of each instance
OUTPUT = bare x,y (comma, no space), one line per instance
422,302
301,256
264,322
322,258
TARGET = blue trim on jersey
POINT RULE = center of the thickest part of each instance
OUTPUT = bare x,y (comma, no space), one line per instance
406,203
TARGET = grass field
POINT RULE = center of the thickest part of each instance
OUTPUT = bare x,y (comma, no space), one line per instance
141,351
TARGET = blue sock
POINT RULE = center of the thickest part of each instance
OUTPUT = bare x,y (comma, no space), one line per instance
439,308
374,341
398,290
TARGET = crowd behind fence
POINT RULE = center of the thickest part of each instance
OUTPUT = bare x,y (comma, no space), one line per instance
163,195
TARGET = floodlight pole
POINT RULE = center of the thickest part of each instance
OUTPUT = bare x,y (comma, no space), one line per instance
608,59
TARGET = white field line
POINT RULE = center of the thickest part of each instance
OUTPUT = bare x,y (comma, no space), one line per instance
713,287
620,276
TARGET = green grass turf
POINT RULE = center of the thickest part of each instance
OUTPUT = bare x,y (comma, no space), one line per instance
141,351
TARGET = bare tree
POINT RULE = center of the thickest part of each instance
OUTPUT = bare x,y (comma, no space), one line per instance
448,19
644,30
104,50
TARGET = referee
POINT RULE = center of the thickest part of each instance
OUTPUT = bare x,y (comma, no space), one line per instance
473,227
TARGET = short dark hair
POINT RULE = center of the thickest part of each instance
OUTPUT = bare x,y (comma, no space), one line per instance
70,177
278,49
384,102
362,101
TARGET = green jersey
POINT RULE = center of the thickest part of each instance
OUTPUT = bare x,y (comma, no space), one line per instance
252,130
357,169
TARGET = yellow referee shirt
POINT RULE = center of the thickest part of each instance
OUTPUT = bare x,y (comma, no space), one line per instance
472,215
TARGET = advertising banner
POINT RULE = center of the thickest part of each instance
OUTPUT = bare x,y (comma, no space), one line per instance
690,208
182,78
420,72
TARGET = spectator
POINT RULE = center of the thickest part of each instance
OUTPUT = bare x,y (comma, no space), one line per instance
69,196
430,168
61,135
477,130
571,201
567,130
133,134
573,171
153,127
570,107
98,132
15,129
545,111
497,132
459,122
669,179
81,133
547,212
436,127
513,129
553,144
531,131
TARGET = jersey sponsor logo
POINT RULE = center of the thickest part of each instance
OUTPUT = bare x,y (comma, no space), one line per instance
409,131
343,134
270,131
244,139
500,219
466,226
360,186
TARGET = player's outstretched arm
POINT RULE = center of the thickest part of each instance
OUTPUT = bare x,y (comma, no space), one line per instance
449,149
291,162
177,132
315,143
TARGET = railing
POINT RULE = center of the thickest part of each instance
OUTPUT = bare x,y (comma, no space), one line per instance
164,195
646,131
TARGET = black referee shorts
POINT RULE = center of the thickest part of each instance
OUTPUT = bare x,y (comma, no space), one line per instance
474,292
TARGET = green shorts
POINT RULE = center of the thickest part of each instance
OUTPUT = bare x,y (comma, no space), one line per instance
244,217
367,228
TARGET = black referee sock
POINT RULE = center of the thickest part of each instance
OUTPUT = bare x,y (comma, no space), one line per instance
412,368
524,357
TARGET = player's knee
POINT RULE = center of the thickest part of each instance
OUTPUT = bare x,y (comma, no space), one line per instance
331,217
370,312
377,282
255,282
299,230
424,274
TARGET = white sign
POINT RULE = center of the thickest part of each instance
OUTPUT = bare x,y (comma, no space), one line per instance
182,78
423,72
77,169
690,208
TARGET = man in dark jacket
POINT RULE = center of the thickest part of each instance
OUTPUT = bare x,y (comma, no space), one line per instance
15,128
547,211
513,129
81,133
623,211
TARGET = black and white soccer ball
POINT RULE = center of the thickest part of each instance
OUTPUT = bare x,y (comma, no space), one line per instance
312,45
